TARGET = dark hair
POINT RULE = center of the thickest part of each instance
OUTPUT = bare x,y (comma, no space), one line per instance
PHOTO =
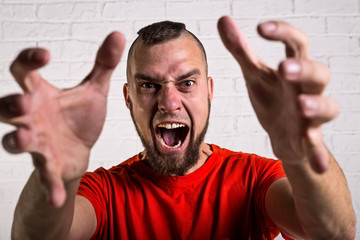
161,32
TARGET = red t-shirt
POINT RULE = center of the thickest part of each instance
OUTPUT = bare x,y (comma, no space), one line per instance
224,199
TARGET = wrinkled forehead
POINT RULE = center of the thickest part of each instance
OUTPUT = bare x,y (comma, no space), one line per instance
174,53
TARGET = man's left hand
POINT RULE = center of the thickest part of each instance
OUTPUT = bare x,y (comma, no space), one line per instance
289,101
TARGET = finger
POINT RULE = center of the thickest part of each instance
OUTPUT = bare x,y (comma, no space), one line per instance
25,65
317,152
296,41
311,76
237,44
318,109
52,180
107,58
13,106
18,141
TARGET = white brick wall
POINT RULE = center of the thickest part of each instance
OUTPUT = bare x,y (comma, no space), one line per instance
72,30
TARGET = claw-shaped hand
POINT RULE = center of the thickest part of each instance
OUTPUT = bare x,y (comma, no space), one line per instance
288,101
58,127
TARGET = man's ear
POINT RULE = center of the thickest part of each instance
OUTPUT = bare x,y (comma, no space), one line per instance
126,95
210,88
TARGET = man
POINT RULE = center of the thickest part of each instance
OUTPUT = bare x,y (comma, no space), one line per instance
178,187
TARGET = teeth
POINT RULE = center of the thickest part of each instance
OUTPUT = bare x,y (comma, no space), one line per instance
176,146
171,125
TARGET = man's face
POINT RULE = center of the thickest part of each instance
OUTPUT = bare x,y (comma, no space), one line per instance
169,95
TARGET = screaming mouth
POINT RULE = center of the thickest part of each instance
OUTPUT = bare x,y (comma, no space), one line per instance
172,135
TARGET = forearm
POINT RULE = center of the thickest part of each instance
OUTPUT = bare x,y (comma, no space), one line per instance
36,218
322,201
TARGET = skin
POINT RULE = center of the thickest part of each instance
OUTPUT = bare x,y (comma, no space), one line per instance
304,205
168,85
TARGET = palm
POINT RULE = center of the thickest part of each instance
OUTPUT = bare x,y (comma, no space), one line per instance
274,102
65,125
59,127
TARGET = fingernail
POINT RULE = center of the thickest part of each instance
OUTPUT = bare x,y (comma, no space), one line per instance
292,70
268,27
310,107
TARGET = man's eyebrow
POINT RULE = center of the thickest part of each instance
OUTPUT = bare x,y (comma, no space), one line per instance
188,74
140,76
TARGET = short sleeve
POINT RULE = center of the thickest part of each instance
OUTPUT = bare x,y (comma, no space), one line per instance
268,171
94,188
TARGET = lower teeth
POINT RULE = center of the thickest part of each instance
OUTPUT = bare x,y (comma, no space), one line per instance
171,147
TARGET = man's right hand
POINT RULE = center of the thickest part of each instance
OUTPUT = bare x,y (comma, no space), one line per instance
58,127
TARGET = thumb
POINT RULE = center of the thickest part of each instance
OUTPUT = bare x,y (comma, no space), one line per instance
237,44
107,58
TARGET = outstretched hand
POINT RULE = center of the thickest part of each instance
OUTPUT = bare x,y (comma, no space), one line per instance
288,101
58,127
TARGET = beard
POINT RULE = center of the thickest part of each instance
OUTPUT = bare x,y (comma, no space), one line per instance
172,165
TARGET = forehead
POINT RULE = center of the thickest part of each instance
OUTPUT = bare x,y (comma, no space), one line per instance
168,58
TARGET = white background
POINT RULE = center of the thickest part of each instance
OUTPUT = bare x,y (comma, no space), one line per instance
73,30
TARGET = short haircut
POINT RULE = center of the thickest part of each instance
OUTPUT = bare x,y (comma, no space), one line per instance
161,32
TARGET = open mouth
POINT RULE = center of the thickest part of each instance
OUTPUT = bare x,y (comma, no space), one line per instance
172,135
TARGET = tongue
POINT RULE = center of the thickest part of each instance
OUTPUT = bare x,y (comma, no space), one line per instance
169,137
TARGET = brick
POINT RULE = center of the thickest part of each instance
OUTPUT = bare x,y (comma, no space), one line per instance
345,64
56,71
346,142
25,11
225,86
71,50
10,49
313,7
66,11
116,88
99,30
16,170
334,45
79,70
343,24
117,109
10,190
214,47
117,150
348,122
34,30
220,67
247,25
133,10
347,101
213,10
7,212
344,82
226,105
6,11
222,125
118,128
348,162
261,8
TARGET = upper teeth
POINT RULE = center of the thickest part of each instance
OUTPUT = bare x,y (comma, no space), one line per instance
171,125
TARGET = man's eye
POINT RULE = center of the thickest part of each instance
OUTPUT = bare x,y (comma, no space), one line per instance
147,85
188,83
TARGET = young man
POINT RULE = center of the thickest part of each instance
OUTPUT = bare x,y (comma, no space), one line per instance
179,187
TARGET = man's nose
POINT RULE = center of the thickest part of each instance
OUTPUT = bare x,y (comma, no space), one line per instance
169,100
